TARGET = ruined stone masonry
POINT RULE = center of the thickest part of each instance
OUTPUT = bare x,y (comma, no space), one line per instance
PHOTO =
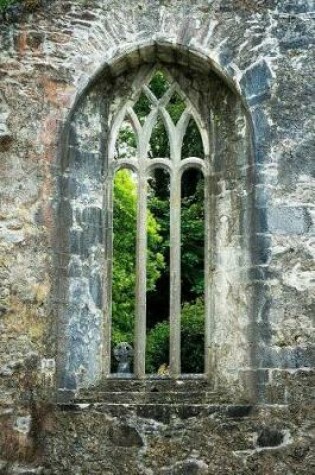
67,70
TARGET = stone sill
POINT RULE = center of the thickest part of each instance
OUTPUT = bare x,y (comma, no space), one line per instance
149,391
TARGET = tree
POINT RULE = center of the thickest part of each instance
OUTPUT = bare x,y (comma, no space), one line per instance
124,262
192,223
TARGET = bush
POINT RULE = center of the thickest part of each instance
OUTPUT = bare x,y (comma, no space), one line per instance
157,351
192,340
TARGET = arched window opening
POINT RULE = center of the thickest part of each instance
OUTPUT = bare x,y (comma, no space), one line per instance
125,205
192,272
168,143
158,273
157,126
192,143
159,141
126,145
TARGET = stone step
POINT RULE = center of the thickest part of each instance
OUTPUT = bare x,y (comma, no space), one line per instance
152,385
149,391
137,397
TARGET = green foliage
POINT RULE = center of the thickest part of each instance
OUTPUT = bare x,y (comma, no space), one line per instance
157,351
127,137
193,230
192,221
192,338
126,144
142,107
124,263
192,145
159,84
176,107
159,143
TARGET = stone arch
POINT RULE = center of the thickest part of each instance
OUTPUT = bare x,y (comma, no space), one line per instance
81,220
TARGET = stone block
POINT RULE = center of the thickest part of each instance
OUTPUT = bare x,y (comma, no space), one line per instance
124,435
288,220
254,59
256,82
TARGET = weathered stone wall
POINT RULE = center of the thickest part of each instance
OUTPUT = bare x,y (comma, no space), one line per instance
83,213
263,50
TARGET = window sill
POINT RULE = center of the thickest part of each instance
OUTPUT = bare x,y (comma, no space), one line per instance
155,377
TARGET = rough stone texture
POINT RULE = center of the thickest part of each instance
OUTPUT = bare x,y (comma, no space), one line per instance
178,439
79,202
263,51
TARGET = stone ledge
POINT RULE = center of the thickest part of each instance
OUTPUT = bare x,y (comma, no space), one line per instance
162,412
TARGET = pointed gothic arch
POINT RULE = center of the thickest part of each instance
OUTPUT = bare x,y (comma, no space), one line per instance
85,194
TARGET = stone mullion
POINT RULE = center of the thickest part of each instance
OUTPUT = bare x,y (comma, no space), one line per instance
208,270
141,278
108,271
175,250
210,237
175,274
176,134
141,247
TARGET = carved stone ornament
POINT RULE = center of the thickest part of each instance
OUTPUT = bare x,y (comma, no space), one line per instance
123,353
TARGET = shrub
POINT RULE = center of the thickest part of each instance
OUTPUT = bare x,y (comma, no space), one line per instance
192,340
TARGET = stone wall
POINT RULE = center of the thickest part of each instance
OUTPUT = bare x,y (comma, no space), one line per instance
49,58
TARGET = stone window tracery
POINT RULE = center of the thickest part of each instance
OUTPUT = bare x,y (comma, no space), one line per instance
94,148
158,104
